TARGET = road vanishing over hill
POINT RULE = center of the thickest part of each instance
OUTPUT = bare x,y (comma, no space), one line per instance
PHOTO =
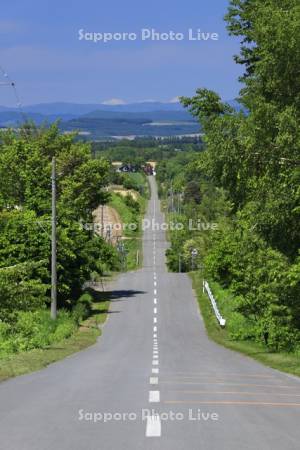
161,383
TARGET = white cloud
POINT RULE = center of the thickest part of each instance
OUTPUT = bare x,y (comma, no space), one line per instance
114,102
174,100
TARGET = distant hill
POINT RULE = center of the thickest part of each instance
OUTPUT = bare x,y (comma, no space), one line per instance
14,118
156,115
73,108
77,109
98,120
61,108
95,128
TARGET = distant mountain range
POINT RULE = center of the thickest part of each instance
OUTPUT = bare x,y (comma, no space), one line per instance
99,120
77,109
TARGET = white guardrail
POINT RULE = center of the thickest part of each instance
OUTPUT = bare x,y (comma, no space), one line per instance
213,302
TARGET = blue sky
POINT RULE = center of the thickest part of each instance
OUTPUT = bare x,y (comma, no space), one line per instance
40,49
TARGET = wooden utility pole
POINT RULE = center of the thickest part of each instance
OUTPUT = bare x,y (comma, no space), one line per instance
53,245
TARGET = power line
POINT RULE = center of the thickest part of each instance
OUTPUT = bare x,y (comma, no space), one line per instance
10,83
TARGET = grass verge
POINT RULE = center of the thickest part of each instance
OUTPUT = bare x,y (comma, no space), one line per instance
87,334
285,362
133,238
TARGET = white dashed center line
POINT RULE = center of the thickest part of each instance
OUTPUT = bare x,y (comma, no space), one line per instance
153,428
154,397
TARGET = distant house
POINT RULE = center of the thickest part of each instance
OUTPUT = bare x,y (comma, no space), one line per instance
127,168
148,169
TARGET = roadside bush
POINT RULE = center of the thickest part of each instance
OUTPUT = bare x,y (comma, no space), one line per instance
83,308
240,327
65,327
19,292
131,203
35,330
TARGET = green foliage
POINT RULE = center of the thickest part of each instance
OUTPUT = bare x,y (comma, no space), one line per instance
133,204
247,180
25,207
21,289
253,157
131,213
34,330
144,149
136,181
83,308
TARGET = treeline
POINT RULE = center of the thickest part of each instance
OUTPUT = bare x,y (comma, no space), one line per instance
248,178
25,229
142,150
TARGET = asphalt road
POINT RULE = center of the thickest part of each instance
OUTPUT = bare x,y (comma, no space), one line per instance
154,377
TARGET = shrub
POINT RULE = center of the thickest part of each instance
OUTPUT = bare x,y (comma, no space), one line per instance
83,308
133,204
65,327
35,330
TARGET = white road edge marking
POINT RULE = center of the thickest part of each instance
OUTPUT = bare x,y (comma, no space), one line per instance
154,319
154,396
155,362
155,301
153,380
154,328
155,370
155,310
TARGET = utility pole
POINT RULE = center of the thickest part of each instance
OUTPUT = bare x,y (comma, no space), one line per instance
172,197
102,220
53,245
194,254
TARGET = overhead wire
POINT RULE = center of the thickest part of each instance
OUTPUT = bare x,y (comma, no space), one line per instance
10,83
